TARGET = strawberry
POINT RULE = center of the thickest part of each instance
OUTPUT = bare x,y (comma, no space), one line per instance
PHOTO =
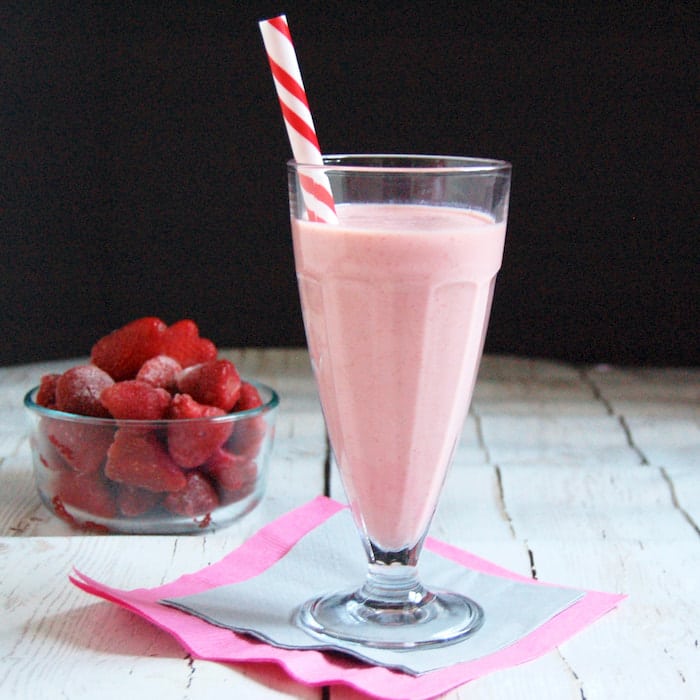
215,383
182,342
122,352
248,398
230,471
228,497
191,443
248,436
137,458
88,492
82,446
197,498
133,398
78,391
133,501
48,455
160,371
46,395
51,459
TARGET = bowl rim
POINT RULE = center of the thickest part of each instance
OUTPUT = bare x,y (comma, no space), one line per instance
271,404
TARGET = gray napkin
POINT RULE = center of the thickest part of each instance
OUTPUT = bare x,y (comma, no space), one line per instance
331,558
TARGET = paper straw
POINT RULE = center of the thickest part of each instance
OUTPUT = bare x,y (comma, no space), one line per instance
297,117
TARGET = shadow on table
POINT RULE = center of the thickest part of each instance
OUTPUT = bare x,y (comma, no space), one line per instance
108,629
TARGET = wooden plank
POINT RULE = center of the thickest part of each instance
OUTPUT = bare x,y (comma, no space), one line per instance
59,642
21,511
581,476
594,513
56,641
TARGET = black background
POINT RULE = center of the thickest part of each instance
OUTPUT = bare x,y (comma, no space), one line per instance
142,158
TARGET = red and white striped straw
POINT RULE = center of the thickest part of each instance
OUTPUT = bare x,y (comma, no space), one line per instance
297,117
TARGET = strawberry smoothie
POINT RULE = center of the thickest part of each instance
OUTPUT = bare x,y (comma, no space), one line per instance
396,299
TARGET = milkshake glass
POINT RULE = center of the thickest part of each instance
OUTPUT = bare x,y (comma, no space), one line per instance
396,297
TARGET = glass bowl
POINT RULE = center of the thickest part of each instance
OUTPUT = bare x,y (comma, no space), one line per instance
168,476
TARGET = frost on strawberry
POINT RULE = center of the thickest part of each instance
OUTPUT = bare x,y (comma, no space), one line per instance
133,501
248,436
197,498
137,458
78,391
83,446
87,492
45,450
230,471
235,475
216,383
122,352
160,371
192,442
135,399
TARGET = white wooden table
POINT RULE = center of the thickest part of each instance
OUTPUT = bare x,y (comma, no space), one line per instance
588,477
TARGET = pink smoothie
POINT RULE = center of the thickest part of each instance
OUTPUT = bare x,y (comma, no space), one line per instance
396,299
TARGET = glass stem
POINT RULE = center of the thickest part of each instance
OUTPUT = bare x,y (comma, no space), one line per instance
392,579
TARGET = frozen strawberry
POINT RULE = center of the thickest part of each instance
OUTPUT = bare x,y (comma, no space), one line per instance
122,352
197,498
182,342
87,492
133,398
248,398
226,497
78,391
46,395
46,451
248,436
214,383
137,458
230,471
133,501
51,459
192,442
83,446
160,371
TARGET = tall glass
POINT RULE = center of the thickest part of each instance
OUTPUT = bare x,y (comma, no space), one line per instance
396,297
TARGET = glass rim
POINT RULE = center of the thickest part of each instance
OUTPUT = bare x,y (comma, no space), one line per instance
415,163
267,406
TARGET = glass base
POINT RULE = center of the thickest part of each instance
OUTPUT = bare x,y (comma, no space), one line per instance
430,619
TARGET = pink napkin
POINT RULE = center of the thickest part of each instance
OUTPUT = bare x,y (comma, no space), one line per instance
205,641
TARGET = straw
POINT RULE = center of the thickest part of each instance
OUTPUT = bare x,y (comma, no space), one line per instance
297,117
